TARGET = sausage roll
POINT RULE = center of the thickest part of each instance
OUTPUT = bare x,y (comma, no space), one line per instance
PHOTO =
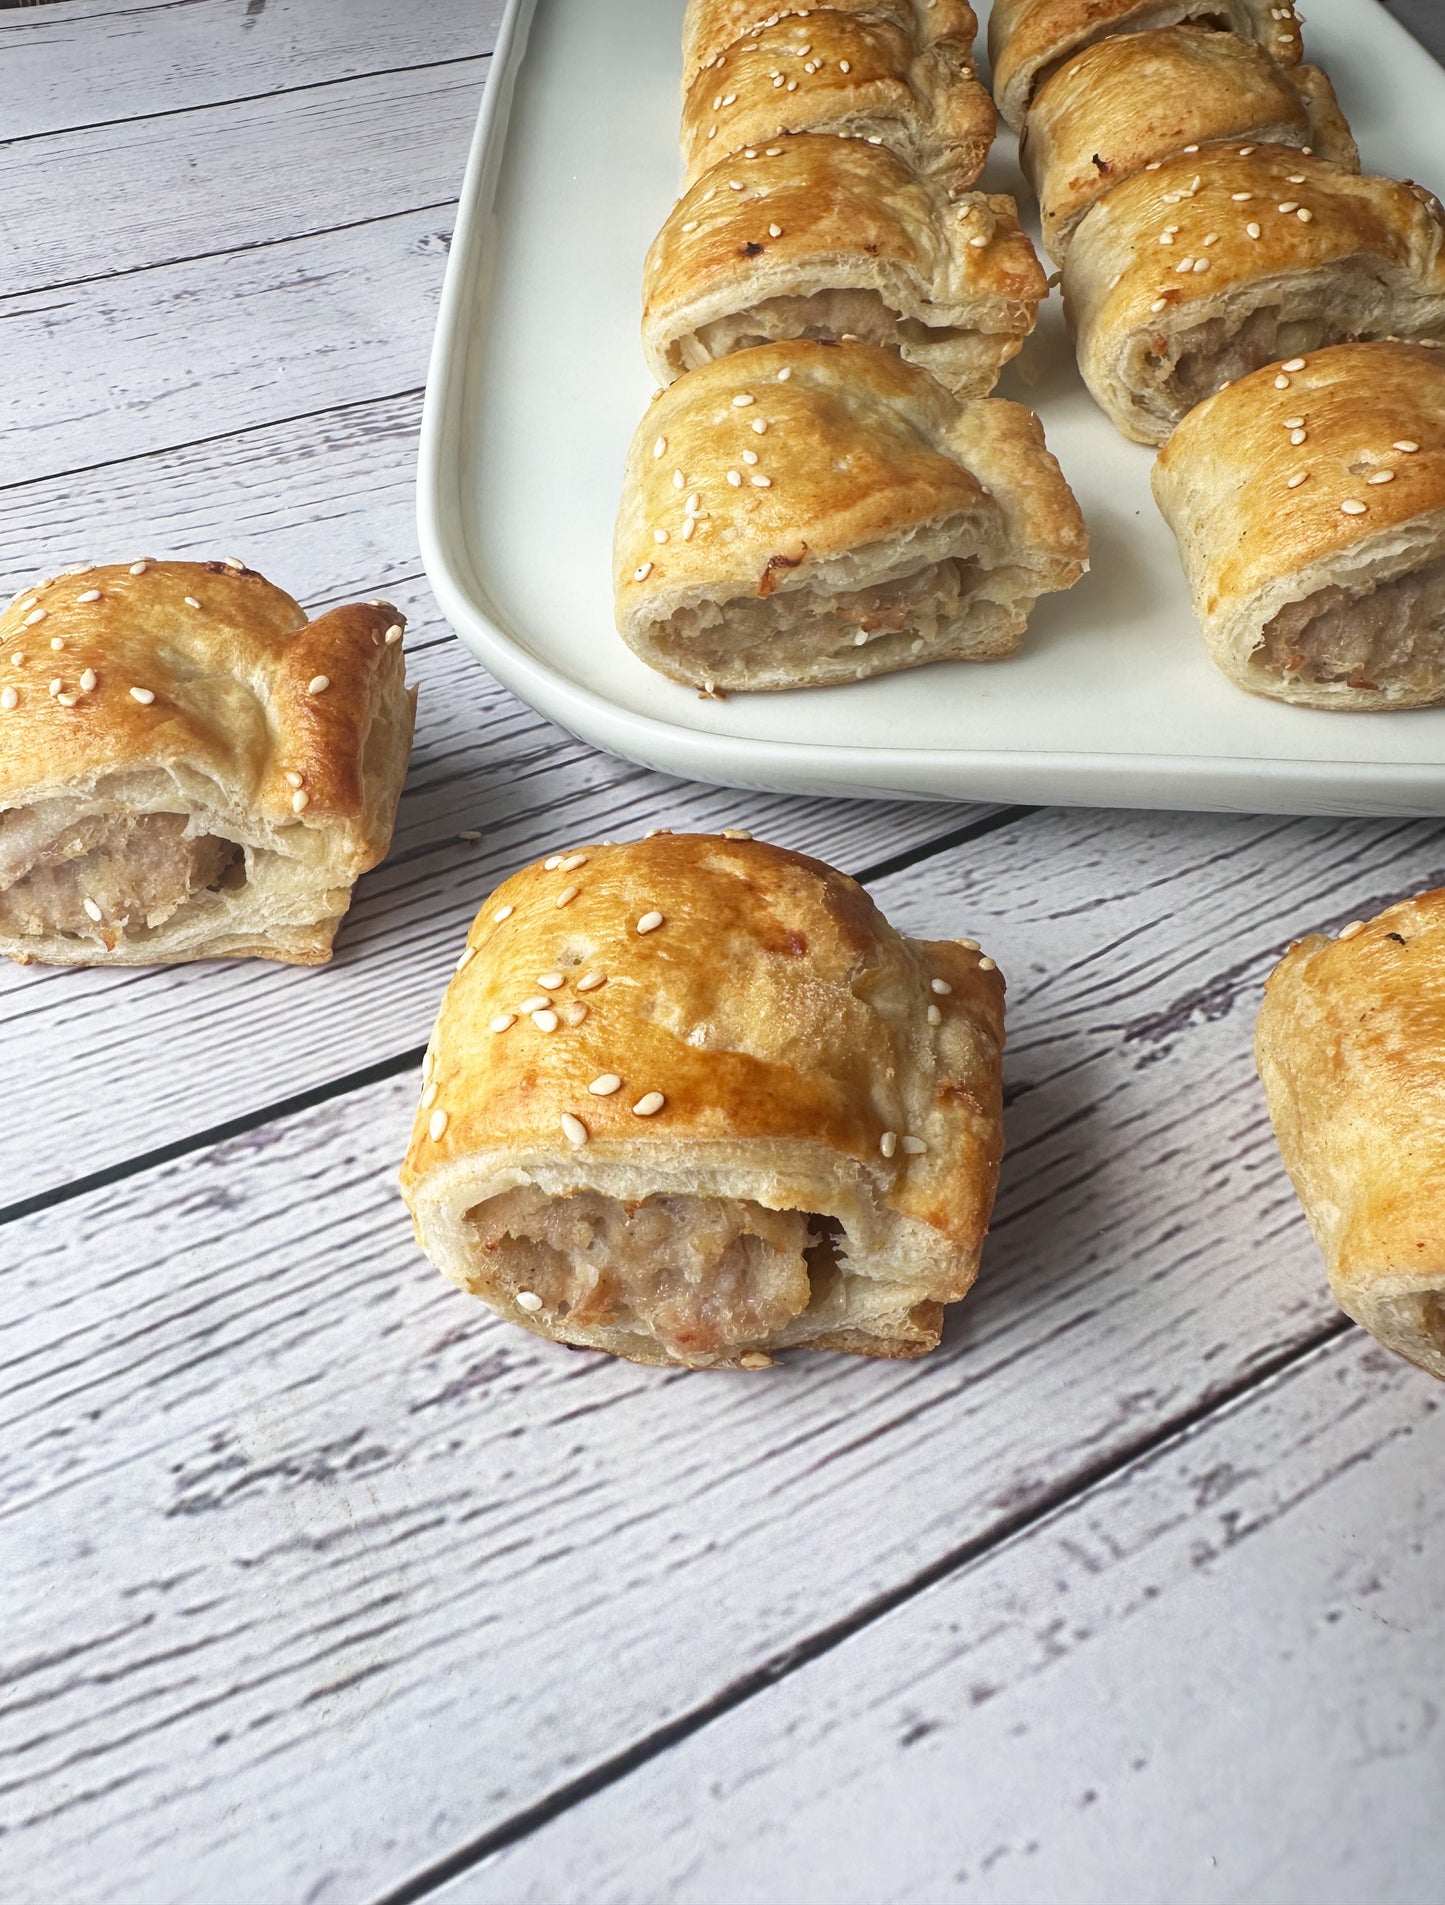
1028,40
831,238
1123,105
1308,501
808,513
1180,280
847,74
189,769
1351,1049
712,26
693,1100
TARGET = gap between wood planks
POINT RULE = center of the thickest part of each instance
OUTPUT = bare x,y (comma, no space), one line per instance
404,1061
620,1765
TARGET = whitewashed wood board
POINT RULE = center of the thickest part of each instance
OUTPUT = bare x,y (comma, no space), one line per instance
1214,1678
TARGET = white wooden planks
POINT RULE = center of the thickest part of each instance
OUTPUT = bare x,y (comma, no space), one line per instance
1212,1679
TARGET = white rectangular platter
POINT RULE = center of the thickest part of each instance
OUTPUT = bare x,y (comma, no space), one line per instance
537,382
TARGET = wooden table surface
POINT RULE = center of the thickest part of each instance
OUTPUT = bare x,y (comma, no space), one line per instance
320,1583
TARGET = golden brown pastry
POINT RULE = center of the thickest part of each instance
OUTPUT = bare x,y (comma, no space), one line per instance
1125,104
846,74
808,513
693,1100
1351,1049
1180,280
830,238
1308,501
711,26
1030,39
189,769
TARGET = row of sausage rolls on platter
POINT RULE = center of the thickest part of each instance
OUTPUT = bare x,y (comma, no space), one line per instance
823,490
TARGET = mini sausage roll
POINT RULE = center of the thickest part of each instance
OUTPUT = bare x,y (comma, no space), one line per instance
1180,280
693,1100
806,513
845,74
1125,104
712,26
831,238
189,769
1028,40
1308,501
1351,1049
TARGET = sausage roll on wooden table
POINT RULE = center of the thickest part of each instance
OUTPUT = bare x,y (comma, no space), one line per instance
1180,280
693,1100
851,74
1308,501
1351,1049
820,237
710,27
1030,39
810,513
1123,105
189,769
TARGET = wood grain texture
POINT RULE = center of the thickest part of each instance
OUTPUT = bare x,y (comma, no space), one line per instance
93,62
328,1572
1214,1678
188,185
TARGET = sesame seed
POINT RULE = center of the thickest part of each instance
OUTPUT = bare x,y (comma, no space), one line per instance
1166,238
742,400
679,481
1405,444
1157,305
1381,476
1304,215
1185,264
1281,382
773,152
573,1015
1293,423
693,504
914,1147
590,981
429,1096
573,1129
1290,205
1295,363
465,958
888,1143
1189,148
604,1086
971,945
550,981
659,535
690,225
544,1020
642,572
987,965
736,833
648,1105
572,862
659,446
66,701
785,373
1348,932
735,477
300,802
1297,437
1300,476
295,779
940,986
1211,238
1153,165
92,911
139,568
35,615
935,1017
318,684
730,99
17,660
393,635
1351,506
56,685
436,1125
87,680
528,1300
689,528
757,1358
1201,264
762,482
750,456
1253,230
567,895
649,922
1244,151
537,1003
144,695
503,913
57,642
503,1022
775,231
736,184
978,242
1240,198
8,699
89,595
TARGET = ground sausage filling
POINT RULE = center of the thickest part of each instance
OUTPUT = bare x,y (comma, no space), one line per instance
134,870
1391,636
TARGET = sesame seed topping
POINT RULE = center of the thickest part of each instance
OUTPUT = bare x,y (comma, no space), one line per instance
659,446
1405,444
17,660
1185,264
736,184
742,400
914,1147
604,1086
649,922
503,1022
57,642
762,482
736,833
87,680
690,225
659,535
689,528
1295,363
300,801
1211,238
693,504
1158,304
66,701
940,986
528,1300
1293,423
1241,198
1381,476
567,895
1352,506
935,1017
393,635
318,684
679,481
1348,932
775,231
1281,382
1305,215
1244,151
1189,148
1253,230
502,913
987,965
436,1125
139,568
537,1003
92,911
750,456
573,1014
735,477
757,1358
888,1143
8,699
573,1129
572,862
971,945
429,1096
550,981
978,241
544,1020
143,695
1201,264
88,595
642,572
35,615
1166,238
785,373
649,1105
590,981
56,685
1300,476
1298,436
465,957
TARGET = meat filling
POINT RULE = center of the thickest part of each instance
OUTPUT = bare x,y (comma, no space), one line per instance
134,870
1391,636
1195,362
956,354
704,1276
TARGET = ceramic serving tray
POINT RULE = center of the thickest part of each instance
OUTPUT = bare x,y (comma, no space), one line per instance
537,382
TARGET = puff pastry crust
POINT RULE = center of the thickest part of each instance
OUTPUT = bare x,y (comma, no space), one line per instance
835,237
1127,103
848,74
693,1100
840,515
1308,501
1351,1050
1029,39
710,27
1180,280
189,768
